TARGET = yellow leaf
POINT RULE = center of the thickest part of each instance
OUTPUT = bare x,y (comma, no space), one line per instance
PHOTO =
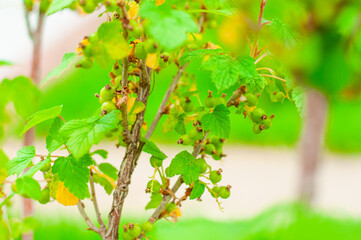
111,180
130,102
65,197
133,10
159,2
152,60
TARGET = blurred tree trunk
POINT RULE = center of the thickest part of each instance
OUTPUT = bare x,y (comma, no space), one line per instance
316,107
29,137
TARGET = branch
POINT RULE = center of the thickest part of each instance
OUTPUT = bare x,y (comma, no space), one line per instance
164,102
176,186
28,27
87,219
95,203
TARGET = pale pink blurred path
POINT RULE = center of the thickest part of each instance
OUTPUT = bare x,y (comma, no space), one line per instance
260,177
62,33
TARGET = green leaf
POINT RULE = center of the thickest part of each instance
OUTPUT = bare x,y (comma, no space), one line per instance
180,127
74,174
65,64
154,202
24,92
108,187
298,97
198,54
58,5
23,158
170,123
5,63
256,85
183,164
197,190
28,186
284,34
152,149
101,152
218,122
240,108
169,27
42,116
109,170
81,134
225,71
54,140
37,167
111,38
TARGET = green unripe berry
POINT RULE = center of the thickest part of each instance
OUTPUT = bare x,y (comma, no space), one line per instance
88,51
224,192
280,96
46,167
220,100
186,140
215,176
209,102
202,164
217,157
215,191
257,129
210,149
187,105
251,99
126,235
267,123
155,188
93,38
150,46
140,51
134,230
45,196
196,133
107,93
217,142
168,173
155,162
108,106
85,63
110,5
136,31
116,70
147,226
258,115
163,64
88,6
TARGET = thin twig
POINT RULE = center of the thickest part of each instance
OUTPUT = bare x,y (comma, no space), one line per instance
95,203
86,218
271,76
166,97
28,26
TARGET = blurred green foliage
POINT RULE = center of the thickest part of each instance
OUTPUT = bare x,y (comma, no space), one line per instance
76,92
282,222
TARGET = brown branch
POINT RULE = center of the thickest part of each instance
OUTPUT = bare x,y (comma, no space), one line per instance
87,219
164,102
95,203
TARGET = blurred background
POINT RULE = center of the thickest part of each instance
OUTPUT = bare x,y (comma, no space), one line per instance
262,169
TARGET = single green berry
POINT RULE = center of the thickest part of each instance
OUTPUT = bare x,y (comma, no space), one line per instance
220,100
202,164
224,192
187,105
116,70
217,142
168,173
217,157
196,133
110,5
88,51
215,176
107,93
45,196
150,46
186,140
108,107
280,96
136,31
140,51
267,123
147,226
155,162
209,101
257,129
85,63
210,149
163,64
87,6
215,191
134,230
251,99
258,115
155,188
126,235
46,167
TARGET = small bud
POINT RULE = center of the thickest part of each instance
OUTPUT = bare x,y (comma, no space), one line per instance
199,129
224,95
180,141
97,95
210,93
103,112
264,117
108,87
275,92
228,187
116,15
112,75
272,116
262,127
130,225
219,172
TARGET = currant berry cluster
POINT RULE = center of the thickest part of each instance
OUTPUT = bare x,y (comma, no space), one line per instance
133,230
